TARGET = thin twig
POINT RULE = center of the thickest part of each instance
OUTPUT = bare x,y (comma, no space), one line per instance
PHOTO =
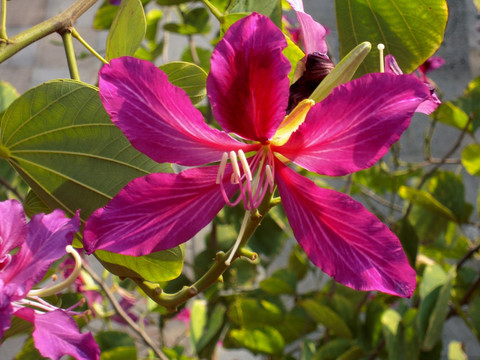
143,335
467,256
436,166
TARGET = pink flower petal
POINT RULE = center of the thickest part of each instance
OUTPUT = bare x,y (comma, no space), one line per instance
48,235
157,212
356,125
13,227
342,238
158,117
248,84
56,334
313,34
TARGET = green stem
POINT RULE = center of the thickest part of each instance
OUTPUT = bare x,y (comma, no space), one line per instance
3,25
77,36
59,23
70,53
220,17
171,301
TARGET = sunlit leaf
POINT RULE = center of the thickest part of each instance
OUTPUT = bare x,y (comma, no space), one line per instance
157,267
323,315
189,77
195,21
471,159
127,30
426,200
283,281
393,331
7,94
272,9
452,115
264,339
412,31
456,351
252,312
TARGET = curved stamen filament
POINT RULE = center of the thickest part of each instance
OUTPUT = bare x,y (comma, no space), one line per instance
67,282
253,178
239,239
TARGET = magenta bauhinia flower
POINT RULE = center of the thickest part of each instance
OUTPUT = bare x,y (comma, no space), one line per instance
248,89
39,243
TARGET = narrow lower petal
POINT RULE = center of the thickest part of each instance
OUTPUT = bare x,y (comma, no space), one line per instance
342,238
5,312
48,235
157,212
248,84
158,117
56,334
13,227
356,124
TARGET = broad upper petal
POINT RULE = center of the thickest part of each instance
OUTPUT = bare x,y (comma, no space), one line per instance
13,227
48,235
356,124
342,238
157,212
56,334
248,84
158,117
313,34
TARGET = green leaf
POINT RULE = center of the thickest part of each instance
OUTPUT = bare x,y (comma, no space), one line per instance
449,190
17,326
408,237
204,56
412,31
108,340
323,315
283,281
32,205
294,54
211,327
119,353
333,349
189,77
393,331
272,9
104,16
435,295
249,312
474,312
308,349
195,21
127,30
171,2
456,351
471,159
264,339
7,95
427,201
29,351
63,144
295,324
157,267
198,320
452,115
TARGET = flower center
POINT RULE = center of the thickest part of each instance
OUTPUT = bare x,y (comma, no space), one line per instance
254,176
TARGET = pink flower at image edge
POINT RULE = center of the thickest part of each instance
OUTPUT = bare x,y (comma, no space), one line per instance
248,89
41,242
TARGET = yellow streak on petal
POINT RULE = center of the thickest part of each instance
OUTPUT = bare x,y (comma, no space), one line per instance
292,121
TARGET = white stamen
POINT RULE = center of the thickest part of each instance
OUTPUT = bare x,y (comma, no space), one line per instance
246,168
268,171
221,168
380,48
239,239
236,168
64,284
